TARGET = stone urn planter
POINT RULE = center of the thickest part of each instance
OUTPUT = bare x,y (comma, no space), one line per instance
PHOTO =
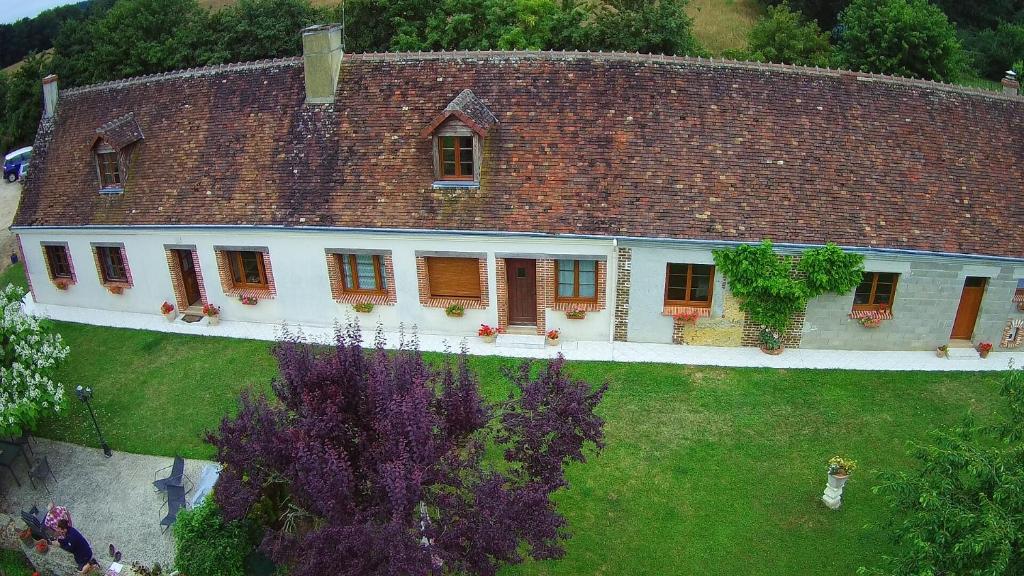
837,481
489,339
170,316
942,351
839,470
213,320
552,341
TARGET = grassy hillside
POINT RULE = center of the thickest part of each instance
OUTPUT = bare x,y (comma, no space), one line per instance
723,24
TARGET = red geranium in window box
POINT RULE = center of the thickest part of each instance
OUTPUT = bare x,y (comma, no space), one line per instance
687,316
248,300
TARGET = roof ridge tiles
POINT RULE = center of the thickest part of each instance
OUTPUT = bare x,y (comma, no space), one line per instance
549,54
198,71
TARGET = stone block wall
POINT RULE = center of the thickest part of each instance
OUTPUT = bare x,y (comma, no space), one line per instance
724,330
924,308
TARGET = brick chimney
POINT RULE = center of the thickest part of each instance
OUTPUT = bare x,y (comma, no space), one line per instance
1010,83
321,56
49,96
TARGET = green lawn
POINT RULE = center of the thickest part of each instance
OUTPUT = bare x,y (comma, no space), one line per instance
706,470
14,563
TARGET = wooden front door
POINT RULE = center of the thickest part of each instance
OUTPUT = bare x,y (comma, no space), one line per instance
189,280
522,292
967,312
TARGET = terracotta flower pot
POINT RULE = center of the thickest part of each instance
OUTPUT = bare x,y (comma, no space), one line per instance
771,352
837,481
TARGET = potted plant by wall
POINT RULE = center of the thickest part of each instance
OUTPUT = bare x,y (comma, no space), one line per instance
552,337
839,470
455,310
248,300
42,546
61,284
115,289
25,535
576,314
212,314
688,316
984,348
363,307
486,333
870,321
167,309
942,351
770,342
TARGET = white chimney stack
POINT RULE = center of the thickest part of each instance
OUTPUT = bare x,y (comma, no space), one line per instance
49,96
1010,83
321,56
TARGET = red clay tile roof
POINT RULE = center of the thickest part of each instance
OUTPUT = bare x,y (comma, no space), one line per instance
619,145
121,132
469,110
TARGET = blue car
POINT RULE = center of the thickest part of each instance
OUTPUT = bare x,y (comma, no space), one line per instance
13,163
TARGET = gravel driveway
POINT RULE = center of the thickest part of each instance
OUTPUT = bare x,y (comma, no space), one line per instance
10,194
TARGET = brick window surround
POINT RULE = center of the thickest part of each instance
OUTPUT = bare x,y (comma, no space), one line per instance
1013,334
28,276
175,268
224,271
423,281
128,282
71,264
386,298
546,288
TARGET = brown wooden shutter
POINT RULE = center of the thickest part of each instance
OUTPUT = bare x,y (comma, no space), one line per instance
453,277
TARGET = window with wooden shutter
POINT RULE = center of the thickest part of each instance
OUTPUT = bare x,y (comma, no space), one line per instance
453,277
112,265
60,262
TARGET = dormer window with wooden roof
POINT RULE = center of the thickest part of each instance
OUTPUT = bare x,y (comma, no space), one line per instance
457,135
115,143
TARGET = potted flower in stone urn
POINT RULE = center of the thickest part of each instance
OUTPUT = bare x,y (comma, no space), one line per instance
167,309
984,348
839,470
552,337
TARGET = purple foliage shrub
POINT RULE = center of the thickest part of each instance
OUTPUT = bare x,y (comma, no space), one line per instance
372,462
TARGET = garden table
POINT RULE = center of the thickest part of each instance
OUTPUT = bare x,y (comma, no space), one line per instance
8,454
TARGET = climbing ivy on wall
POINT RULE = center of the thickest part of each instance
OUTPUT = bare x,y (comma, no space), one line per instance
772,287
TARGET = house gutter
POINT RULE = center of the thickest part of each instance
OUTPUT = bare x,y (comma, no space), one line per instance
490,233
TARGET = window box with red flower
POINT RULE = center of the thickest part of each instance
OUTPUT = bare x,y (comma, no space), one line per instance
249,300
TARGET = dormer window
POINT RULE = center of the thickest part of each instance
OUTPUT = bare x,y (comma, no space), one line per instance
456,157
115,145
107,164
457,135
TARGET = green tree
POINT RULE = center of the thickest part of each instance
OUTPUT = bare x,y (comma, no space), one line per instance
785,36
205,543
661,27
901,37
23,103
962,510
258,29
993,51
825,12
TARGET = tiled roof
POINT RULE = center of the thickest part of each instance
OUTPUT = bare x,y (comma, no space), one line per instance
121,132
469,110
620,145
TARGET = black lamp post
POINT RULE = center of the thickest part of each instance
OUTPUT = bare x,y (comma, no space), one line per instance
84,394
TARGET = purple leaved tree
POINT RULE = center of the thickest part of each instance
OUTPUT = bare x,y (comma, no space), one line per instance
373,462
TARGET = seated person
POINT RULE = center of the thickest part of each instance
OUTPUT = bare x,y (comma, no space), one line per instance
72,540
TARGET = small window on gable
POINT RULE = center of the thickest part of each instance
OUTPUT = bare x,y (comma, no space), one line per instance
108,167
876,291
455,157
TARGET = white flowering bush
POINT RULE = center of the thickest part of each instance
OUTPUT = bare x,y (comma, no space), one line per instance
29,357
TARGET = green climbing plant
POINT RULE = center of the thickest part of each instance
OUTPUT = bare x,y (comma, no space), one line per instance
772,288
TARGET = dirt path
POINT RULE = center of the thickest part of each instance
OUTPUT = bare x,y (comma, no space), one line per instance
10,195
